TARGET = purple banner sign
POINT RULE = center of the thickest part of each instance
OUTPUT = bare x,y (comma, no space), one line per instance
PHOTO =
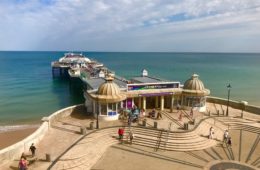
156,94
150,86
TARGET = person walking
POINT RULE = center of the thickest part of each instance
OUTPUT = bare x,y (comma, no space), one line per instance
191,113
32,149
211,133
159,115
226,135
180,117
178,107
229,143
23,164
131,136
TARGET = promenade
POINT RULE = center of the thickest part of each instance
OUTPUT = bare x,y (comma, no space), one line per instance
164,147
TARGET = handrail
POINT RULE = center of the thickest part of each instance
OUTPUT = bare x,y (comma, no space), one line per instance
171,118
167,136
187,115
157,146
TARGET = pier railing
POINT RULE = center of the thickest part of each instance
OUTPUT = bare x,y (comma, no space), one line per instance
234,104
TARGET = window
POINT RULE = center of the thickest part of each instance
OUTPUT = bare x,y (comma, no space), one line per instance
103,109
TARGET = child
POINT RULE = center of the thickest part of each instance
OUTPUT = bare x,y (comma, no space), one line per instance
121,134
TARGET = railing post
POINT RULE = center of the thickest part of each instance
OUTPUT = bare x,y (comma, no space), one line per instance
155,124
144,122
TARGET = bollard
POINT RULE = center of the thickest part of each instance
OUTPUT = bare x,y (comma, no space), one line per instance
48,157
186,126
83,130
91,125
144,122
155,124
193,121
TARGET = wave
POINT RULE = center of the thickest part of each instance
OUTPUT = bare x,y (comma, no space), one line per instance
7,128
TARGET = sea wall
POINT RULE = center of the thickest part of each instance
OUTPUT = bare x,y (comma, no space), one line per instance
234,104
14,151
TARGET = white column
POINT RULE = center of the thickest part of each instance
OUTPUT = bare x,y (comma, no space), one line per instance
99,109
140,102
144,103
172,101
162,102
156,101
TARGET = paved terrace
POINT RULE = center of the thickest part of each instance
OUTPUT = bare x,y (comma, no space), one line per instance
151,148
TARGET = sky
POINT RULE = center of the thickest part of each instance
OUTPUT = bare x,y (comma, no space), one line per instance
130,25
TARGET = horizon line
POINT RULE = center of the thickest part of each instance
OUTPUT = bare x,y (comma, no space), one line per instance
101,51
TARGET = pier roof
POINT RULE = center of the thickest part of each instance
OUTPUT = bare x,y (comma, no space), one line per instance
147,79
94,83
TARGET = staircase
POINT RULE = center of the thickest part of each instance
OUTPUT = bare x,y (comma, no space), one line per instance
85,153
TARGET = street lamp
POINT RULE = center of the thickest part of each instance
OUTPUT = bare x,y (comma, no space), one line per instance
98,110
229,88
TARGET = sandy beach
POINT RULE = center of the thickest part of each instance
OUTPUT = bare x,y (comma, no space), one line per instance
13,136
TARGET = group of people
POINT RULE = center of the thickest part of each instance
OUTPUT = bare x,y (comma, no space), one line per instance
154,114
121,132
23,163
226,137
135,114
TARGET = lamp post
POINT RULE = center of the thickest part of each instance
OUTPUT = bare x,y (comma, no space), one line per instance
98,110
229,88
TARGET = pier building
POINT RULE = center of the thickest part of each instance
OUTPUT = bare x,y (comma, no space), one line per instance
107,96
71,63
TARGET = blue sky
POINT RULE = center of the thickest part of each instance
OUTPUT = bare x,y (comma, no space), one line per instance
131,25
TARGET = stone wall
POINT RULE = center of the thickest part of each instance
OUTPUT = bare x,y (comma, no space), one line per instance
234,104
14,151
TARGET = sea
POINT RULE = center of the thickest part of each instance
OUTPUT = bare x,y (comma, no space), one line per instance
28,91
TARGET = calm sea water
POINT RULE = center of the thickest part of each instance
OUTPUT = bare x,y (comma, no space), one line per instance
28,92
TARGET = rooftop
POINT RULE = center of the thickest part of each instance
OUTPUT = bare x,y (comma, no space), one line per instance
94,83
147,79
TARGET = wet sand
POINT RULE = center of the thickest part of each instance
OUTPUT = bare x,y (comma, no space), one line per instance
11,137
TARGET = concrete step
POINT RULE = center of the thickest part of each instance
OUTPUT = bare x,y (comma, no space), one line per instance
179,147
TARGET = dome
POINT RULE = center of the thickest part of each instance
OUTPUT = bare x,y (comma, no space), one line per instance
109,88
195,86
194,83
108,92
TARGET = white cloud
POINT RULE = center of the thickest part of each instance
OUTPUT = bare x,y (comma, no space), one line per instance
130,25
